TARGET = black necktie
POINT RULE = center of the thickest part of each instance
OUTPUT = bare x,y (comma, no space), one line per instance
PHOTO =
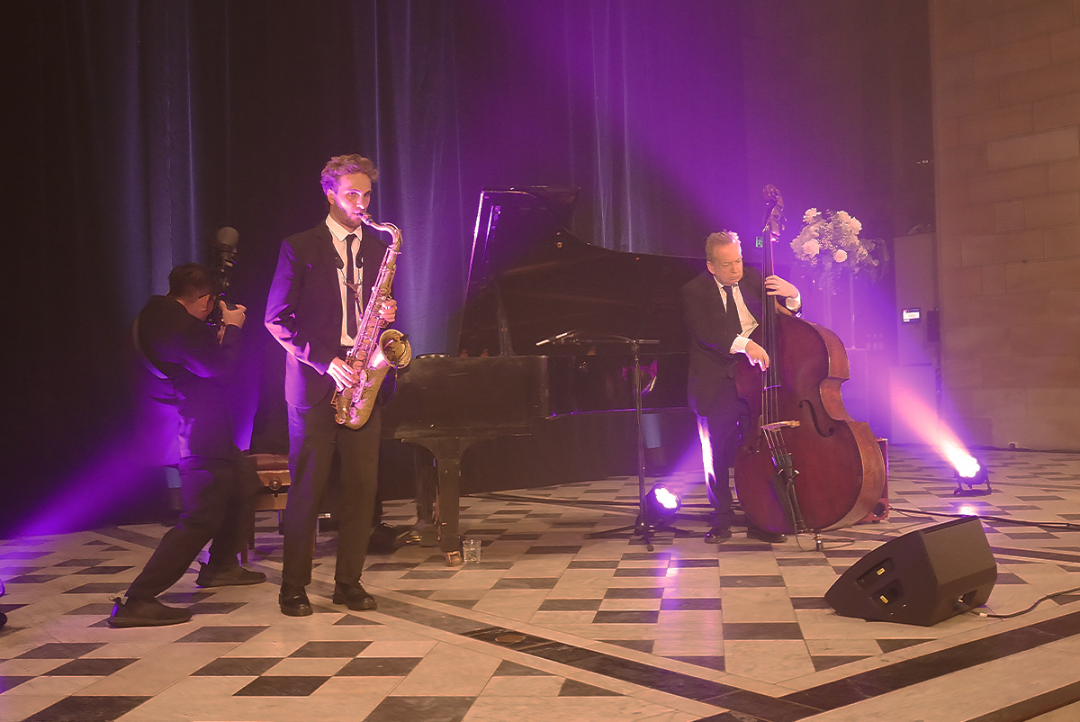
350,296
731,309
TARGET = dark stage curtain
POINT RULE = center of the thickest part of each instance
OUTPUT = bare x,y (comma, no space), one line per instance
134,130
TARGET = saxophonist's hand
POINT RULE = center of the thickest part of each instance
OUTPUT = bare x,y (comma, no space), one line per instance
343,374
388,311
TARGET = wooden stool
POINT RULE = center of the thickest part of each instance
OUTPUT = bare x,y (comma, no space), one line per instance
273,470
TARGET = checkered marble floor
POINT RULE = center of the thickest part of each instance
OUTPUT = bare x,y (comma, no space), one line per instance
556,624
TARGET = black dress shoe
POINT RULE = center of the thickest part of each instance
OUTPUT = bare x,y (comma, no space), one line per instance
145,613
753,532
354,597
294,602
717,534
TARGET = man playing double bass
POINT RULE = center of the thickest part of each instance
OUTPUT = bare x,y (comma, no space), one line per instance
722,307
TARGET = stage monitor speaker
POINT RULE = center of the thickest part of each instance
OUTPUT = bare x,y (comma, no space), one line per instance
921,578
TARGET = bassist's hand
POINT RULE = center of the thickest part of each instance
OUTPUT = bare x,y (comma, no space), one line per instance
757,355
779,287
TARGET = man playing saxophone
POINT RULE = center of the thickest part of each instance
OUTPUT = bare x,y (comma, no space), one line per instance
312,311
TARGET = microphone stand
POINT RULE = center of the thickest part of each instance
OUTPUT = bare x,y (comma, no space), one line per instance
643,526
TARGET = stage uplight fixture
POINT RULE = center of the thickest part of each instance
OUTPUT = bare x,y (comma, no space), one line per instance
972,480
662,503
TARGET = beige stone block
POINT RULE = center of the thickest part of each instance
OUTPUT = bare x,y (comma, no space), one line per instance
1064,305
981,341
963,281
961,312
1009,216
946,133
962,401
1062,242
1052,210
995,402
964,39
967,158
961,373
1057,112
1030,19
993,279
951,192
1052,338
1003,310
1032,372
1036,431
948,16
1064,175
949,251
1007,185
997,7
1055,404
1010,428
1029,53
954,72
1043,276
975,98
994,125
1049,145
969,221
1058,79
975,430
1002,248
1065,45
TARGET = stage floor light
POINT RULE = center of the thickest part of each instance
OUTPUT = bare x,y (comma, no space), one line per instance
662,502
972,481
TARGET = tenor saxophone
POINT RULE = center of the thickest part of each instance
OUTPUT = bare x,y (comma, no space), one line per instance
373,353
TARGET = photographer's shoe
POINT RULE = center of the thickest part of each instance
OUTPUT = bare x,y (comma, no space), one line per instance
145,613
236,576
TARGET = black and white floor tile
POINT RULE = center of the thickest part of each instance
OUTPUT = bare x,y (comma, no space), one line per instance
554,623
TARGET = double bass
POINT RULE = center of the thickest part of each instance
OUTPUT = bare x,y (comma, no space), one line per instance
804,465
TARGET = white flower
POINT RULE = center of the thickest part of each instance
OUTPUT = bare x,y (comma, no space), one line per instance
811,247
809,215
856,226
840,256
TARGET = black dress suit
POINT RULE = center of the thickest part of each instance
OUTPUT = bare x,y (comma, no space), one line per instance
304,313
218,483
711,387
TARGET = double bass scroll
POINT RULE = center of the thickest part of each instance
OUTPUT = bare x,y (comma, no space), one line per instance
804,463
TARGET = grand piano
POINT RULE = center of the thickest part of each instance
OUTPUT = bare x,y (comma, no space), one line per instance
552,329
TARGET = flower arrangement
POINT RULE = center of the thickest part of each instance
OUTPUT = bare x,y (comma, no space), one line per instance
830,239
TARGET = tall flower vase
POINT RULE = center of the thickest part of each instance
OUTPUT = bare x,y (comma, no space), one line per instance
839,308
830,294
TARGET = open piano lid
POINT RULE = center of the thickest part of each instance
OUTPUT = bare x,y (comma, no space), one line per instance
531,280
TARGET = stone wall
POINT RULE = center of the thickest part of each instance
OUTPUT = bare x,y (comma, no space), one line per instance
1006,106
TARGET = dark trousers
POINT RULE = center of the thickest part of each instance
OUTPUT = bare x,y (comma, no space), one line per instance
314,437
723,426
219,504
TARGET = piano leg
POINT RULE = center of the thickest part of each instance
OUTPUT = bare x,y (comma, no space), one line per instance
448,452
